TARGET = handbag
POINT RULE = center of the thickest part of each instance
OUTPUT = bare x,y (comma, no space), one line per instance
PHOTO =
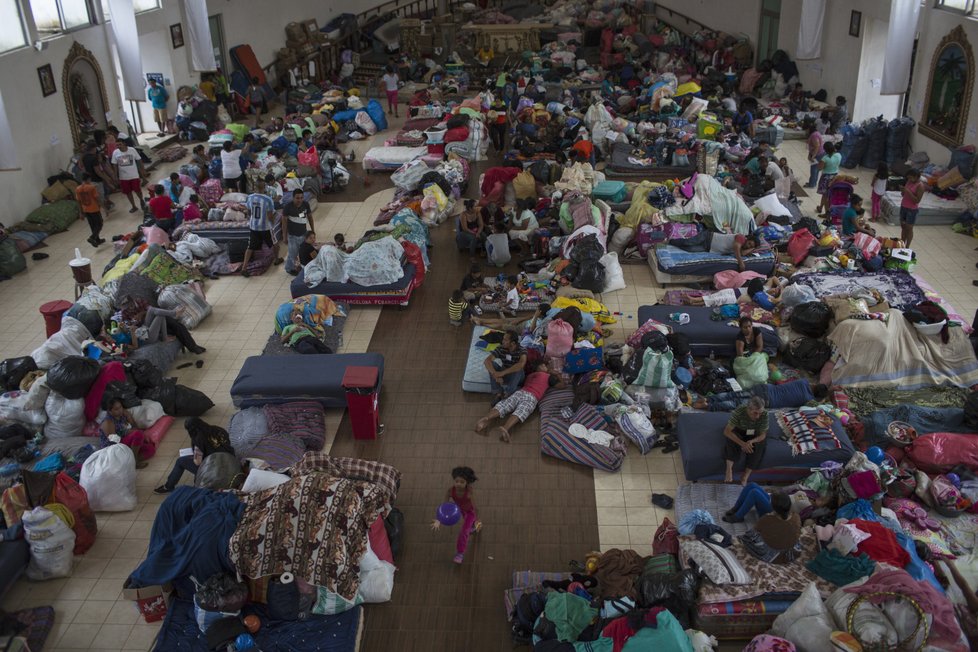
666,539
579,361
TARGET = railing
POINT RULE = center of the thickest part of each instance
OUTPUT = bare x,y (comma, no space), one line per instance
673,14
406,9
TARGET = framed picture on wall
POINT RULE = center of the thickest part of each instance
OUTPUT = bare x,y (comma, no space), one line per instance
855,23
176,35
46,77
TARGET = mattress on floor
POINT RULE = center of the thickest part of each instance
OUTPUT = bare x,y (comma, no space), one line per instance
391,158
339,633
741,620
619,165
716,499
706,335
282,379
476,378
933,209
397,293
675,261
701,443
556,440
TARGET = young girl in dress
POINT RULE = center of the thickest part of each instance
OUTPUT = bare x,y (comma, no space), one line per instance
879,189
461,494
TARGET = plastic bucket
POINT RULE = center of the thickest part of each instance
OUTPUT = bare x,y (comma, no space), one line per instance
52,311
81,268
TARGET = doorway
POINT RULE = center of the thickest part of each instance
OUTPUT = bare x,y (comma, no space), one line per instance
767,35
217,41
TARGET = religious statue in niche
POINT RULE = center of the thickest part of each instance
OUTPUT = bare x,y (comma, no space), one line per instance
81,101
948,98
84,91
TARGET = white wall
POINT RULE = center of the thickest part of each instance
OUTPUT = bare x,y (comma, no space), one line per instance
38,122
934,25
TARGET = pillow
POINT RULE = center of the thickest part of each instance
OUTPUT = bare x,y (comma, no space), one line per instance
258,479
873,626
720,565
278,451
847,538
806,623
771,205
305,420
246,429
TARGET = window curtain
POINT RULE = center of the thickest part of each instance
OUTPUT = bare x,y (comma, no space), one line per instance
126,36
810,29
8,152
899,46
198,31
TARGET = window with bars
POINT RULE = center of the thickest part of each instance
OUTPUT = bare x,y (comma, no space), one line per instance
12,33
966,7
55,16
138,5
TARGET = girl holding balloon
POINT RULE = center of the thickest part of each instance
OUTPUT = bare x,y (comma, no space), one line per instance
458,505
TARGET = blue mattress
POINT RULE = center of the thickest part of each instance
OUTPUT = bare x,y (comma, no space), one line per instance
281,379
338,633
334,290
701,442
704,334
476,378
673,260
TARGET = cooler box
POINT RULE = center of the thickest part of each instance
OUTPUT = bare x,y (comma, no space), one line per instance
610,191
707,127
362,397
771,134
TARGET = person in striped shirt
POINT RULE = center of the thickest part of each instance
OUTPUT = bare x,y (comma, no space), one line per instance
260,211
458,308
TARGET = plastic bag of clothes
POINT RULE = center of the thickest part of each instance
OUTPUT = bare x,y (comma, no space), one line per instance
811,319
751,370
221,592
13,370
941,451
179,400
219,471
73,376
898,140
876,132
66,416
52,543
125,392
675,591
143,373
590,276
109,477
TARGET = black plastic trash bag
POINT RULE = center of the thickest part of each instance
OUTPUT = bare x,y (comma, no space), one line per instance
73,376
658,588
125,392
808,354
13,370
143,373
590,276
811,319
219,471
222,592
164,393
394,524
587,249
190,402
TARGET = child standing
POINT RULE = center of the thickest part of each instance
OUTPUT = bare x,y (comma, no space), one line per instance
458,308
391,81
90,209
461,494
879,189
912,193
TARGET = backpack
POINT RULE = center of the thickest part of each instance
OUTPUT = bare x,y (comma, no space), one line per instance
528,608
809,354
679,343
654,339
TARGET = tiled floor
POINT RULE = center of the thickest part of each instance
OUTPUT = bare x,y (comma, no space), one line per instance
539,513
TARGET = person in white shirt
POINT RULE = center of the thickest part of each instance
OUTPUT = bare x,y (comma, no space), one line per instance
771,169
234,178
131,173
512,294
524,223
497,246
391,82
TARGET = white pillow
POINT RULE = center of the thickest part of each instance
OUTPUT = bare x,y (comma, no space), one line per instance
772,206
806,623
147,413
717,563
258,480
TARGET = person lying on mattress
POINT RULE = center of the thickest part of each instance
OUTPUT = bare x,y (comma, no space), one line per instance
746,434
518,407
775,536
506,365
748,339
725,244
795,393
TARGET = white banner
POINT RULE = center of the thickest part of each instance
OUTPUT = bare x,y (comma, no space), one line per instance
899,46
126,36
198,32
810,29
8,152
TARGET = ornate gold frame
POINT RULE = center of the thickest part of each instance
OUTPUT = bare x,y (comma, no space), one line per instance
77,53
955,37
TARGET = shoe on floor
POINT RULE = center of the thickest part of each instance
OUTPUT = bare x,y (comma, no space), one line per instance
39,256
133,210
245,273
975,283
662,500
732,518
162,489
458,558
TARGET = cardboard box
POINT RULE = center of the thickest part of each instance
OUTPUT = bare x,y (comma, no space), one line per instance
150,600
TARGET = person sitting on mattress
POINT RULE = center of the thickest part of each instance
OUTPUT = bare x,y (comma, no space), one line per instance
517,407
725,244
746,432
777,531
792,394
748,340
505,366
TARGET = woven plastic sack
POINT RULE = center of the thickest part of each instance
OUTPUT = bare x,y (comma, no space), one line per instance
195,307
52,543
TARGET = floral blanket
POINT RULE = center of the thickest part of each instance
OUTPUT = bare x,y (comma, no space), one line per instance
899,289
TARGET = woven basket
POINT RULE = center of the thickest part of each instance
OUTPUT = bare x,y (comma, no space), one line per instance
903,645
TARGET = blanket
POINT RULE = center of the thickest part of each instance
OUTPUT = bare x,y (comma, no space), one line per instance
803,431
373,263
924,419
894,354
729,212
899,289
314,526
674,258
317,312
189,537
864,400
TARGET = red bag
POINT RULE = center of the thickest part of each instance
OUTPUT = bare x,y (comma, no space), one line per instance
309,158
73,496
798,245
666,539
939,452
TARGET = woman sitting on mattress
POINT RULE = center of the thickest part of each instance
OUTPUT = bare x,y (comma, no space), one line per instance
748,340
746,434
725,244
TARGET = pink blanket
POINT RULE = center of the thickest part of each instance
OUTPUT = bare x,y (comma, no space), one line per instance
732,279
